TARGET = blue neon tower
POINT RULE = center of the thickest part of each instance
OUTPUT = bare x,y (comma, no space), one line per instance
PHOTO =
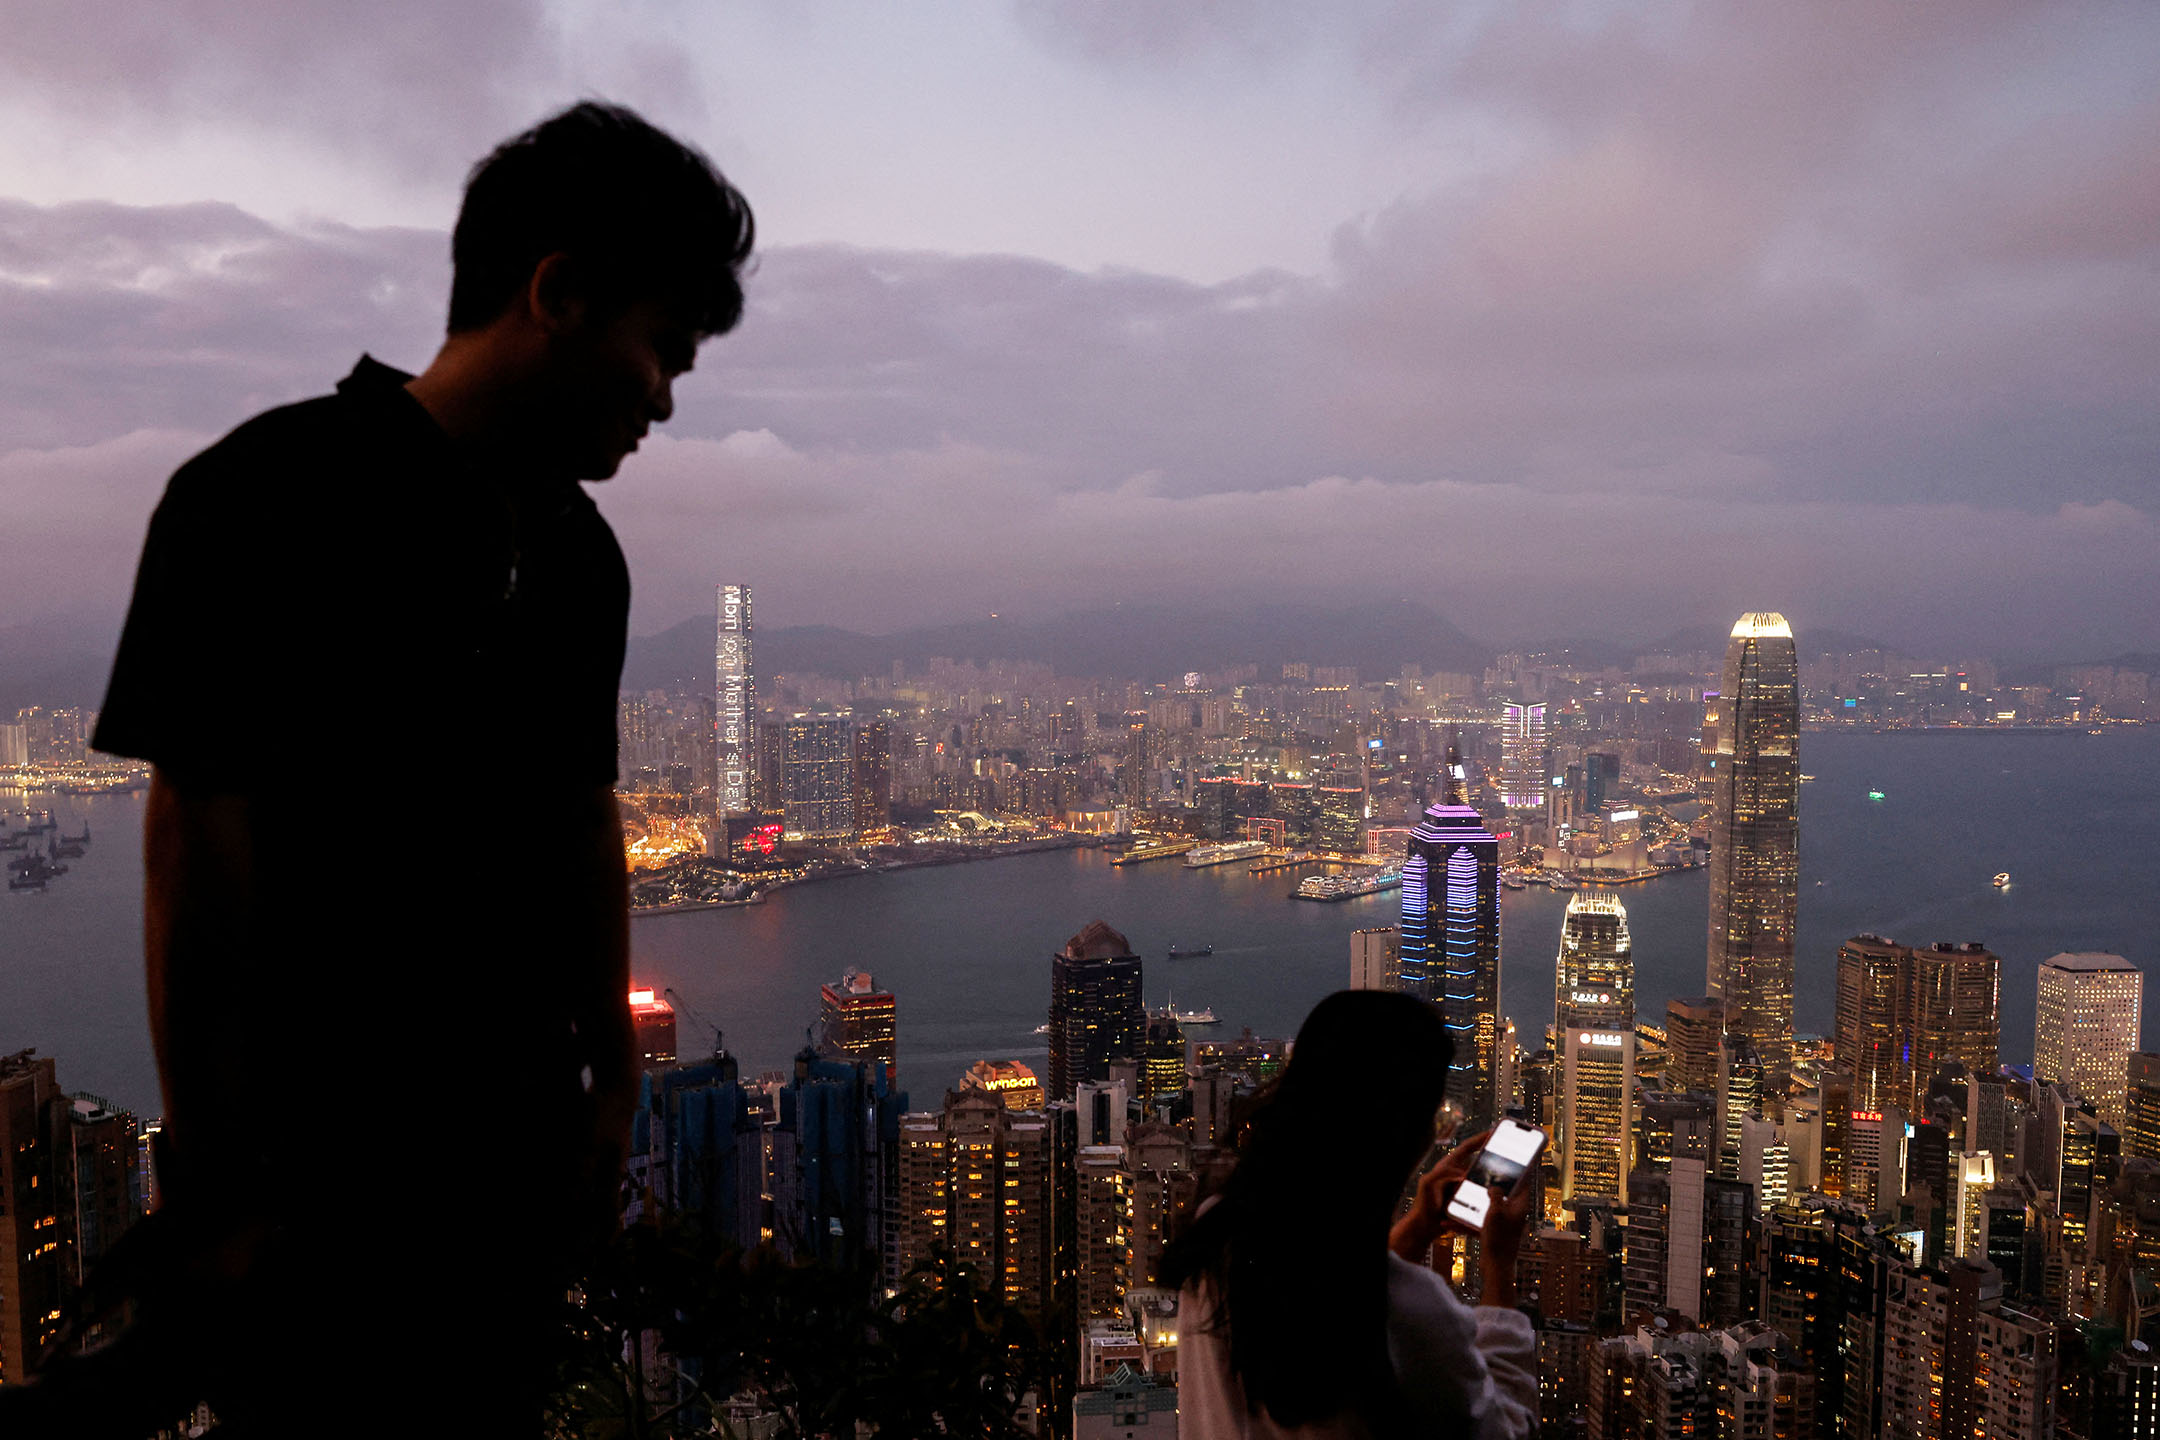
1451,938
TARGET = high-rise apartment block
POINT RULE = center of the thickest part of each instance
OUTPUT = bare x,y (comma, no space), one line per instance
1905,1013
1594,1017
68,1191
1522,756
2085,1027
1451,939
1959,1362
976,1192
858,1021
817,779
735,706
1376,959
1096,1014
1755,838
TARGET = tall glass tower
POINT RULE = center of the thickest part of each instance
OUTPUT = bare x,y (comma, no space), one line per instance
1451,938
1594,1018
1522,757
735,712
1755,838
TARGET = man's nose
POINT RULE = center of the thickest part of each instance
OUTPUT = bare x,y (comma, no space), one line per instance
663,402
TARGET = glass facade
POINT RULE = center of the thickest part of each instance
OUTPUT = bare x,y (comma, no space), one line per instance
1755,837
1451,939
1594,1015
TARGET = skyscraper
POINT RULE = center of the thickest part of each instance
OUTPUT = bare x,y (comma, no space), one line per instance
652,1020
1755,838
1594,1015
858,1021
1451,938
1095,1008
1522,756
33,1267
1904,1013
817,779
735,720
1694,1028
2085,1026
873,777
1375,959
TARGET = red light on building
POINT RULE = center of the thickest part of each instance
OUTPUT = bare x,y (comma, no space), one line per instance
765,839
1875,1115
653,1020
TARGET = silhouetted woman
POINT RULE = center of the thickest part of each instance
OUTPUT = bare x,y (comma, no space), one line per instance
1304,1312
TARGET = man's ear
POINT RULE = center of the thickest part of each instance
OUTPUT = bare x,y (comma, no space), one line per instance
552,297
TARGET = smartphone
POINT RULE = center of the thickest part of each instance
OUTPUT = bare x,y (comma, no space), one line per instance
1512,1149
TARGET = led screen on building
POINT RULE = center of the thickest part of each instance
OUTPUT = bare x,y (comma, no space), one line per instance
736,718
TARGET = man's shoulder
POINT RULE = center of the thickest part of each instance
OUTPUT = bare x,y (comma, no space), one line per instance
326,433
254,454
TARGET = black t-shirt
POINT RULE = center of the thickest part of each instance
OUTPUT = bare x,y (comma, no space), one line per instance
413,684
330,597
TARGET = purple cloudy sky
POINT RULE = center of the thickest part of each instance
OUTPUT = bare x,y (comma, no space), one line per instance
1569,318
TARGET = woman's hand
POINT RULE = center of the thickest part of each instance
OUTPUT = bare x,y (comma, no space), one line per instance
1428,1220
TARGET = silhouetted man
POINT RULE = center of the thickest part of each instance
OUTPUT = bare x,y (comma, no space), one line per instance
373,656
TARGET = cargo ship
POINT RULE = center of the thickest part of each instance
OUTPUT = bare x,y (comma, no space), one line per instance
1224,854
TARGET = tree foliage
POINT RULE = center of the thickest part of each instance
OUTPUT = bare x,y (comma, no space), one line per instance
675,1334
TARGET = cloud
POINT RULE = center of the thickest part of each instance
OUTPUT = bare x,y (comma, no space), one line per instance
413,84
1725,295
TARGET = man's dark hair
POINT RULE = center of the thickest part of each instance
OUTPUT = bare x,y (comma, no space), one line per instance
640,214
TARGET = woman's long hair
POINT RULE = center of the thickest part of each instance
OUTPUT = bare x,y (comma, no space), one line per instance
1295,1246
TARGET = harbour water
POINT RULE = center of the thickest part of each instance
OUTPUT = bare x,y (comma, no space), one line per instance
2074,818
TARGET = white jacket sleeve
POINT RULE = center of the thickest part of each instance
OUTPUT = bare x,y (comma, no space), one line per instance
1455,1363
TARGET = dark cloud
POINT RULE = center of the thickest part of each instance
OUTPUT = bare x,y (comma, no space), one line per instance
116,318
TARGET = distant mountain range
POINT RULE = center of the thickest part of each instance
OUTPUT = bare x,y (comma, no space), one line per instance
1144,642
1124,641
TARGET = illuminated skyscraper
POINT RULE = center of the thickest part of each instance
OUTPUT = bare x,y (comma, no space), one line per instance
2085,1027
858,1021
817,778
1522,757
1451,938
1095,1010
735,696
1755,838
653,1021
1594,1014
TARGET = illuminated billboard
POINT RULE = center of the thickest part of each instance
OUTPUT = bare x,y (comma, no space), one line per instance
735,718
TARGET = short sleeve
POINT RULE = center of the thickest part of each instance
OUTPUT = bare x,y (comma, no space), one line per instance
182,681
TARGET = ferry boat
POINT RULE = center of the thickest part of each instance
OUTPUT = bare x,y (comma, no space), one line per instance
1514,882
1183,952
2002,881
1160,850
1561,882
1205,1016
1042,1029
1348,887
1224,854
